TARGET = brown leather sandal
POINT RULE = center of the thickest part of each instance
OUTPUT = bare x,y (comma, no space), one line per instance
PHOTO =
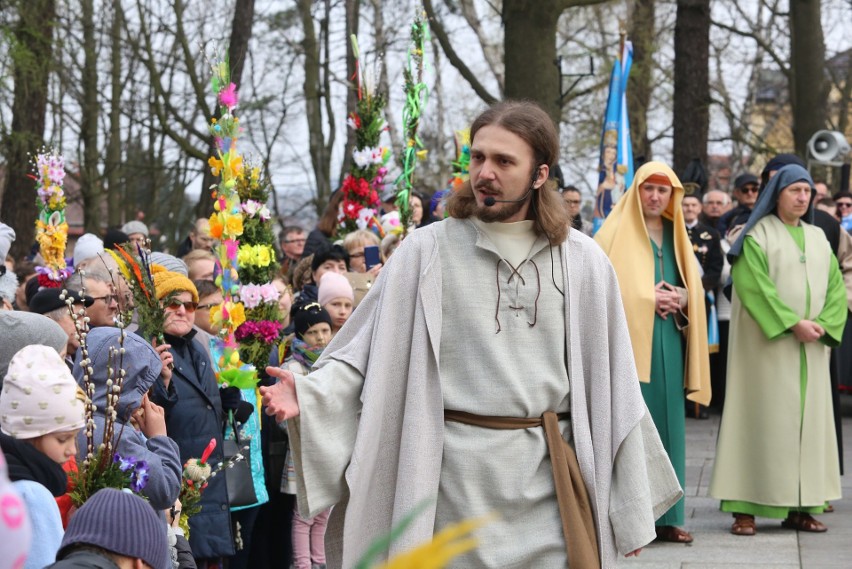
803,522
743,525
673,534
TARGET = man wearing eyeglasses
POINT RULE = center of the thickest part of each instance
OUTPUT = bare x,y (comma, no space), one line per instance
573,202
746,187
98,285
292,245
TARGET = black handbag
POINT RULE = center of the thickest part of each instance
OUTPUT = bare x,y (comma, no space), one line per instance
238,475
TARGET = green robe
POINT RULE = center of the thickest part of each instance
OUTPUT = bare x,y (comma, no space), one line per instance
784,274
664,393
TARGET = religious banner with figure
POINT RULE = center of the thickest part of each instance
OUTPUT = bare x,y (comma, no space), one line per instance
616,162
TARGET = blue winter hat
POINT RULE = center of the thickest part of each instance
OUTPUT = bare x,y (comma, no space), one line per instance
122,523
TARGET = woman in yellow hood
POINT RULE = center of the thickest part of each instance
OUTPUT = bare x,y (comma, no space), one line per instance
645,238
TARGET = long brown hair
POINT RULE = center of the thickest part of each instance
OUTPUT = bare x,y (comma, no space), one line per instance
529,121
328,222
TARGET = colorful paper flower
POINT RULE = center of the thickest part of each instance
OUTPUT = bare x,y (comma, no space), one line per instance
228,96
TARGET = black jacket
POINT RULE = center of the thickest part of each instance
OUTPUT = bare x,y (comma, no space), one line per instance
708,249
26,462
737,216
193,417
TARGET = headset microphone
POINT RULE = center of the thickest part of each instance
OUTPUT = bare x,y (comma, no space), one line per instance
490,200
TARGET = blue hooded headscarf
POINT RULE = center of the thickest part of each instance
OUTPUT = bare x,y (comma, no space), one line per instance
768,200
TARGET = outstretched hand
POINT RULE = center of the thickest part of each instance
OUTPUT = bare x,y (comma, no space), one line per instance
280,399
634,553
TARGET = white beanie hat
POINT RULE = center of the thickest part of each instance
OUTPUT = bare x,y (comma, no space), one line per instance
7,235
87,246
39,395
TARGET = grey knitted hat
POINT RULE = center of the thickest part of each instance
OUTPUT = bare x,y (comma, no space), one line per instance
132,227
170,262
20,329
121,523
8,285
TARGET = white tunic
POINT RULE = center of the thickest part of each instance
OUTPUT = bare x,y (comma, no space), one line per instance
371,434
504,471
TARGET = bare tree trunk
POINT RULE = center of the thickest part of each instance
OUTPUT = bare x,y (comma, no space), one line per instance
326,92
530,52
529,46
353,15
31,60
490,49
640,84
444,167
845,99
112,164
320,160
691,83
381,41
808,86
241,29
90,184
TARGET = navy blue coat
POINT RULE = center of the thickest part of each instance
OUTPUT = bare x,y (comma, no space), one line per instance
194,416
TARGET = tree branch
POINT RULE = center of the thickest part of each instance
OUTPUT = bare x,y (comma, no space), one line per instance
441,34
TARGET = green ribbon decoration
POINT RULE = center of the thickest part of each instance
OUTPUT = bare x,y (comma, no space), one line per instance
416,94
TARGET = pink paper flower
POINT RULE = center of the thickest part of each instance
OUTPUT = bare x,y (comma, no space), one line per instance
228,96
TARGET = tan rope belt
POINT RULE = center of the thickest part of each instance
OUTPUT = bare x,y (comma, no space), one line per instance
578,525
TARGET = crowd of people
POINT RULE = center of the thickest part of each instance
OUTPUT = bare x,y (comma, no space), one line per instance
476,364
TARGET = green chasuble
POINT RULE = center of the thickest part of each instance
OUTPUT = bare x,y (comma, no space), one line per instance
664,393
760,470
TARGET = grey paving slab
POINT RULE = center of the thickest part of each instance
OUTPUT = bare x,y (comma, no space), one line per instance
773,547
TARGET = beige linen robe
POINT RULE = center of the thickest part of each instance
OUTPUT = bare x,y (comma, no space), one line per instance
369,438
765,454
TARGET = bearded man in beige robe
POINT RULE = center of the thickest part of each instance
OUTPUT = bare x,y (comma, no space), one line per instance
471,376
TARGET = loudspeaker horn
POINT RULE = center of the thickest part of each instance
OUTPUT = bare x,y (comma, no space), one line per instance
828,146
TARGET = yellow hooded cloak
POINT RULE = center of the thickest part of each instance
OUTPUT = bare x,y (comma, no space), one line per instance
625,240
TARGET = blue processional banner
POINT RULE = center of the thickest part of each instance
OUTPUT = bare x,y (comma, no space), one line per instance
616,156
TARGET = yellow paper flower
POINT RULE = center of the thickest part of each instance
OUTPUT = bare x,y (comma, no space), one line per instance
216,165
264,256
234,166
244,255
238,314
216,227
233,226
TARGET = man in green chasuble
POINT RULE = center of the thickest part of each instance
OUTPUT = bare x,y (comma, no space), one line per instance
647,242
777,452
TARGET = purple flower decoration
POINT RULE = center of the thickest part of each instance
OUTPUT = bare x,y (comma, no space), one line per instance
139,476
124,464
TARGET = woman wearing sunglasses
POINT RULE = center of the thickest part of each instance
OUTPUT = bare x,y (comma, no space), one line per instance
194,415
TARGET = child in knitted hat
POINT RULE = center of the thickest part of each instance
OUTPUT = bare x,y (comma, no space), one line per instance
142,366
313,332
40,417
114,529
337,297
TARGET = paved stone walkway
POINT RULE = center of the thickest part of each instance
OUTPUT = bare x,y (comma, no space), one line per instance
773,547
